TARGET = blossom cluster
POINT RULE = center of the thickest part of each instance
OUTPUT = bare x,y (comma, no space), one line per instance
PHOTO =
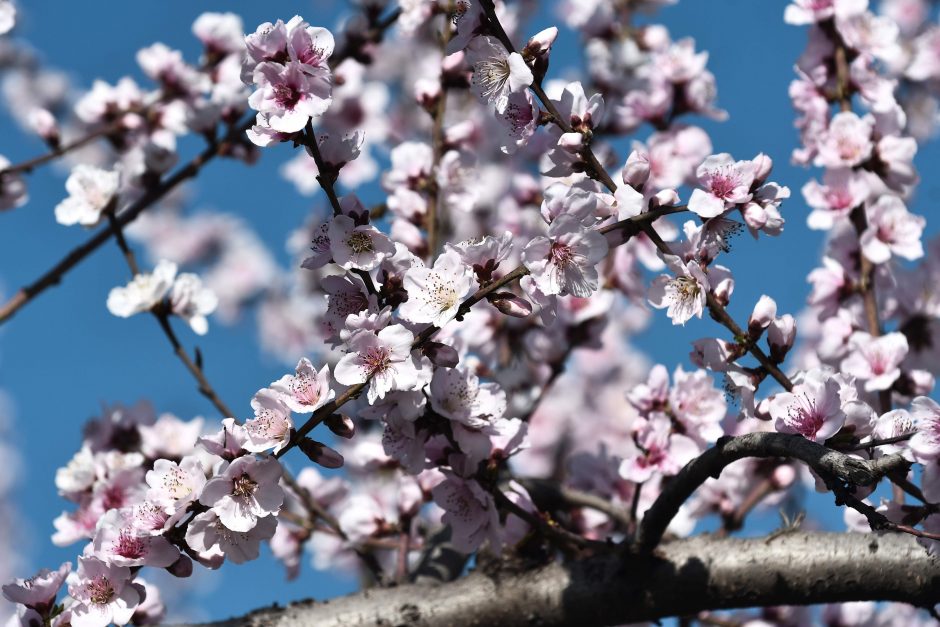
464,342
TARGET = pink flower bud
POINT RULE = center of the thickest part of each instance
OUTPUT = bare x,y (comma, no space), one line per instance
452,62
654,37
762,167
637,170
44,124
664,198
321,454
511,305
427,91
723,290
341,425
764,313
921,382
783,476
441,355
540,43
780,336
182,568
755,216
572,142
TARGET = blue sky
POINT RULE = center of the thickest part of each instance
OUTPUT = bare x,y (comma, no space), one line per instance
65,355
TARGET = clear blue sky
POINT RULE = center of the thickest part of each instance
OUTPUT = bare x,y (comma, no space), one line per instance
65,355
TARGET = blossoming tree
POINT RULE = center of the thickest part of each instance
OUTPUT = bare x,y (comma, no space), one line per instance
519,239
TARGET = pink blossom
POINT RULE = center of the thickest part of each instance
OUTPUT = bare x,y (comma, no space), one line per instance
892,229
192,301
245,492
841,191
469,511
383,359
435,294
875,360
723,183
800,12
457,393
39,591
145,291
659,451
306,390
359,247
564,262
103,593
272,424
289,96
91,191
214,542
13,191
496,72
175,485
117,541
685,294
925,445
846,143
812,409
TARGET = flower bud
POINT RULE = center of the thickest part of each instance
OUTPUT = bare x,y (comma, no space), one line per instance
183,567
780,337
44,124
723,291
511,305
664,198
762,166
571,142
637,170
321,454
441,355
427,92
540,43
783,476
341,425
764,313
921,382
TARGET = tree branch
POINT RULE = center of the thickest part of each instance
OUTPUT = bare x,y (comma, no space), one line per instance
682,578
825,461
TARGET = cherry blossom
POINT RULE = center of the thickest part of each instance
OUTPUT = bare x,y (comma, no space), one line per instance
496,73
469,511
244,492
272,424
457,393
925,445
306,390
564,261
39,591
846,143
875,360
383,359
360,247
215,542
176,485
103,594
91,191
144,292
659,451
892,230
192,301
436,294
812,409
724,183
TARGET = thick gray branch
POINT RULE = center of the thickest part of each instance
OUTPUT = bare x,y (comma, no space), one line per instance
825,461
680,578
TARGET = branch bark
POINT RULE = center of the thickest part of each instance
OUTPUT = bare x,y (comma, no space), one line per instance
682,578
823,460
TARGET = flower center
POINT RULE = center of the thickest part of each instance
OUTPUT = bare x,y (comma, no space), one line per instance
244,486
492,75
360,242
286,96
100,590
129,546
723,183
376,360
560,254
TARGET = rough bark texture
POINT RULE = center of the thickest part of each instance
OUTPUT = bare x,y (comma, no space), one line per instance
827,462
680,578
